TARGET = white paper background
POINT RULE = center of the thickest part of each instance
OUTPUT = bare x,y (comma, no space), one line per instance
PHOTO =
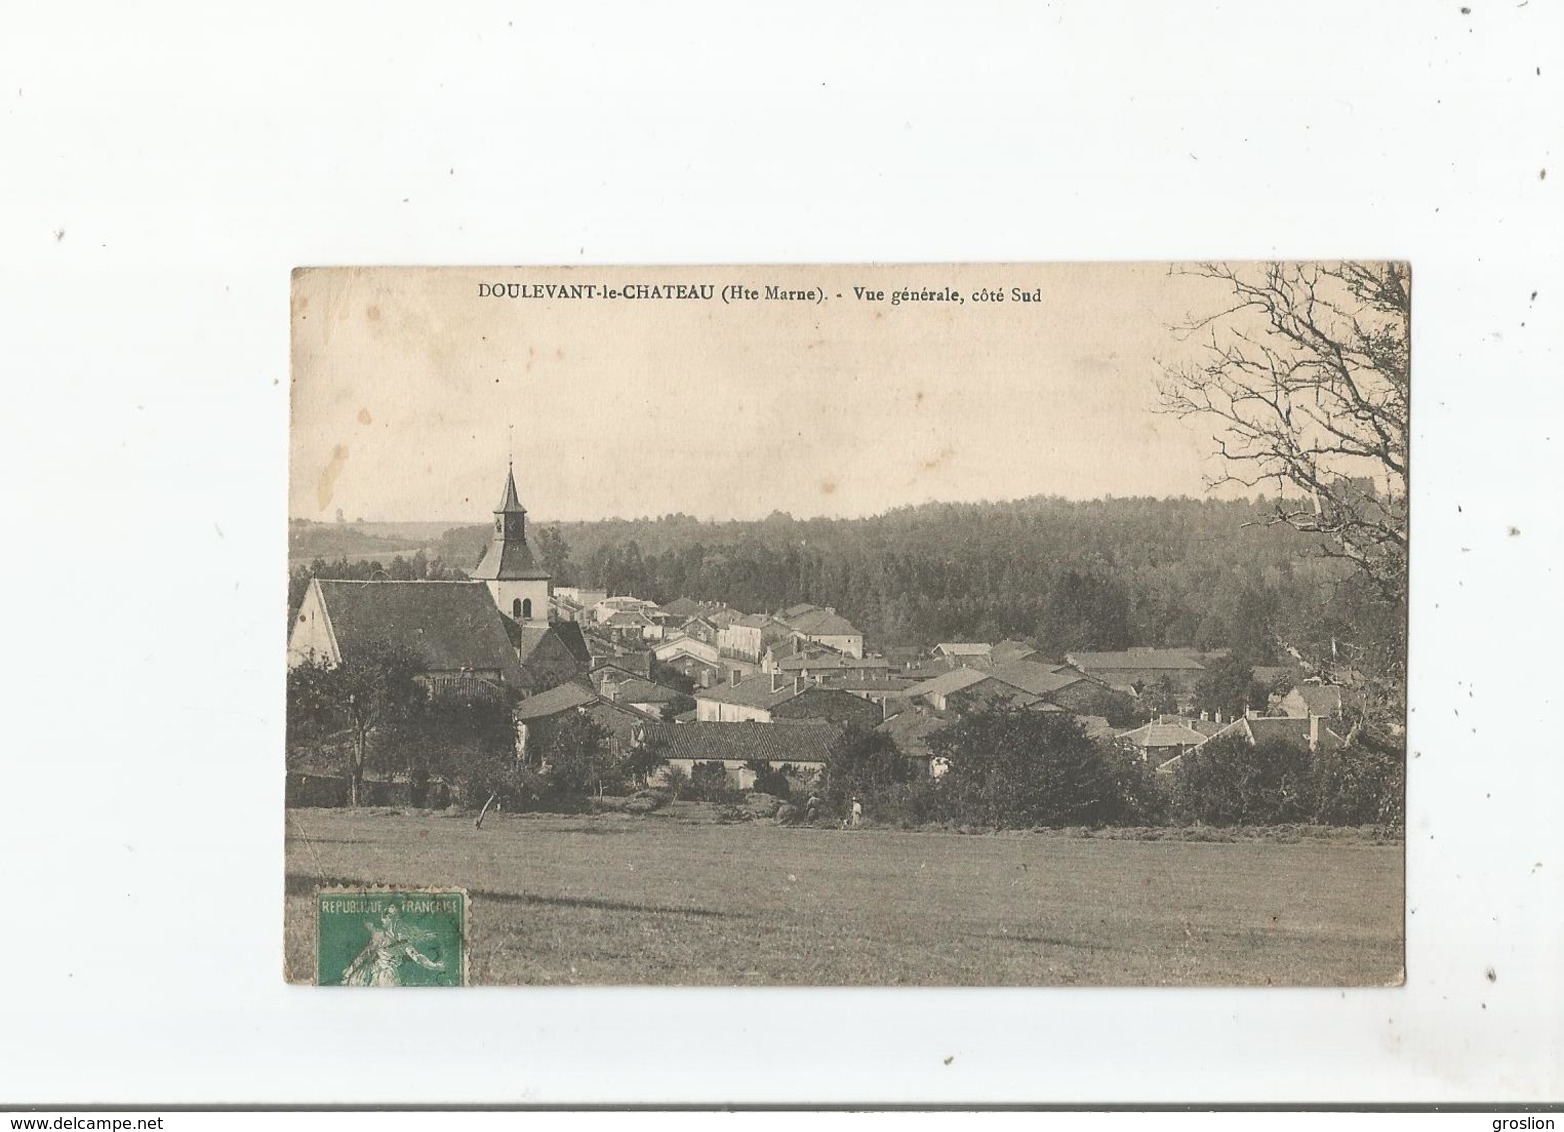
162,167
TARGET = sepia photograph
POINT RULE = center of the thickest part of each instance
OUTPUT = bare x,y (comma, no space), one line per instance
987,625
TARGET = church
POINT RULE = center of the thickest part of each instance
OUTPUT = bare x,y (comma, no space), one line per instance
493,628
520,586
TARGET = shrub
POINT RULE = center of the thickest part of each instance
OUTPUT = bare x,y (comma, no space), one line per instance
865,764
676,782
1364,784
769,779
709,782
1230,781
1014,768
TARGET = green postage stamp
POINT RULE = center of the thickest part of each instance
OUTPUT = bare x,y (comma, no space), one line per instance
382,937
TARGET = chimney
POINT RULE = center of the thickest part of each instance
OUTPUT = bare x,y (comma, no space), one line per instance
1205,716
1314,731
1218,718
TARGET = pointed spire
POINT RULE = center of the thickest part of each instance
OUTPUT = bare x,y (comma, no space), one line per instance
511,501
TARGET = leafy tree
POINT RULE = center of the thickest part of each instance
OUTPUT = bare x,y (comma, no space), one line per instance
1230,781
468,737
862,762
709,781
1015,768
1084,612
645,759
769,779
670,677
1363,783
375,694
1228,686
580,758
676,707
1159,697
555,554
676,782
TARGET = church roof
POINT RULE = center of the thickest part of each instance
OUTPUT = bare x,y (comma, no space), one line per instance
509,560
510,501
454,625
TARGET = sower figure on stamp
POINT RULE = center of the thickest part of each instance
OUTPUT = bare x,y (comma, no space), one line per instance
390,943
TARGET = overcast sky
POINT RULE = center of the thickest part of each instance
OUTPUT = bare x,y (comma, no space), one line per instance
407,384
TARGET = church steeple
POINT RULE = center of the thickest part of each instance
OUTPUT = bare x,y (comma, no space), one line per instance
510,517
518,582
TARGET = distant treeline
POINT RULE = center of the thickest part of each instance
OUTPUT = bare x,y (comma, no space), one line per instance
1066,575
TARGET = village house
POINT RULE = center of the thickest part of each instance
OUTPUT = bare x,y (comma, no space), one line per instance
621,687
1139,667
767,699
672,647
1022,683
748,699
539,715
824,626
580,597
1311,734
1159,742
1304,700
747,638
800,746
911,730
964,650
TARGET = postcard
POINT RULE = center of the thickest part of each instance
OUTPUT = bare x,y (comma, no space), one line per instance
835,625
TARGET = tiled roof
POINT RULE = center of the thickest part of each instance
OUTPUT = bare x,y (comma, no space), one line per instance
1295,731
632,689
964,648
509,560
911,730
1172,659
453,624
1321,699
866,682
1160,735
822,623
524,638
555,700
510,501
1006,651
1039,679
1284,729
756,692
948,682
832,662
772,742
570,633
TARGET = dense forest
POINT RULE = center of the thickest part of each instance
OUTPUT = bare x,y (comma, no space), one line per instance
1065,575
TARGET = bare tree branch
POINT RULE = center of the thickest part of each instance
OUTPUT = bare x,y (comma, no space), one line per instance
1305,375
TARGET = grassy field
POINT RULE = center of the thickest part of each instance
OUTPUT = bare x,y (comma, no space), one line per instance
672,899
